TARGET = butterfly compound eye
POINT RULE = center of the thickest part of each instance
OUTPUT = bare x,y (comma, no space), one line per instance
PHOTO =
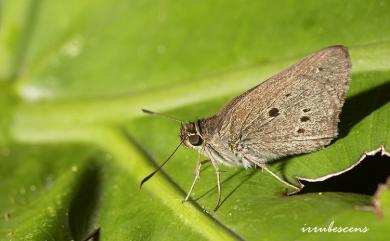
195,140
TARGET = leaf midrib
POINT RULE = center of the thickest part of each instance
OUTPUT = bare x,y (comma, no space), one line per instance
57,113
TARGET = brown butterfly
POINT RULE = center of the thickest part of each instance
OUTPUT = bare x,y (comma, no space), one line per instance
296,111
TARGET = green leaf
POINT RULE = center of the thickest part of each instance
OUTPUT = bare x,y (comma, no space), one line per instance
74,144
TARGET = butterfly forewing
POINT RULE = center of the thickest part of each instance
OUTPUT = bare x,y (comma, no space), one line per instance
295,111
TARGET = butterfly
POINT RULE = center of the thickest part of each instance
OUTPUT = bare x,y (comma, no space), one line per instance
294,112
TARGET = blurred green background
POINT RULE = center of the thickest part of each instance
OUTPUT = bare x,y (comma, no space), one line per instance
74,144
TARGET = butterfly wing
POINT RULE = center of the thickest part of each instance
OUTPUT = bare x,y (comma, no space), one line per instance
295,111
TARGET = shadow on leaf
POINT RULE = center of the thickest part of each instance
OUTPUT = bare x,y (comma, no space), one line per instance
82,211
361,105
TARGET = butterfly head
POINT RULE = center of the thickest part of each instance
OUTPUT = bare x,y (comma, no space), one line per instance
190,135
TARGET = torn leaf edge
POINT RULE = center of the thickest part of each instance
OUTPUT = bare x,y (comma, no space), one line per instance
381,149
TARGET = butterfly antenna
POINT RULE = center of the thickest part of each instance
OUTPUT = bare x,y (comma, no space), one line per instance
158,169
149,112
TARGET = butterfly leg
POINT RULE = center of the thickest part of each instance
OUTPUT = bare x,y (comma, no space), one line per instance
197,177
217,172
265,168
